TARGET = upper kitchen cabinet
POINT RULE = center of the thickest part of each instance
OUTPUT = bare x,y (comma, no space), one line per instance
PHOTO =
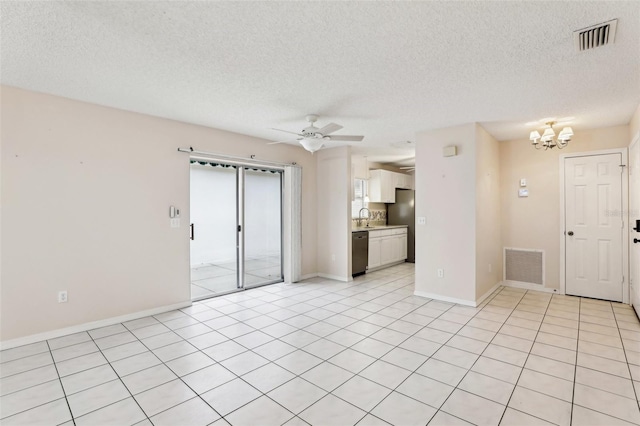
383,184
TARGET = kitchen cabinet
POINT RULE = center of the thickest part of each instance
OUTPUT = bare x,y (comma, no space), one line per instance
387,247
374,253
383,184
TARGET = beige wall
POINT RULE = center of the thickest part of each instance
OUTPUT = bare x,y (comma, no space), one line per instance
488,223
85,197
634,124
534,222
446,197
334,212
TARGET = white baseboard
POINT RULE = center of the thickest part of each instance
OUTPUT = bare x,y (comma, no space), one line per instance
386,265
334,277
487,294
472,303
529,286
47,335
307,276
445,298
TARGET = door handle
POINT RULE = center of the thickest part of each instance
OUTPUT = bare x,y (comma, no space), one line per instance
636,241
193,231
570,233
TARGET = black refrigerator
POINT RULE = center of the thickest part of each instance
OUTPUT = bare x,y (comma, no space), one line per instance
402,212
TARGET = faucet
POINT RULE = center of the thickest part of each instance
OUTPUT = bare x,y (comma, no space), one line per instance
360,216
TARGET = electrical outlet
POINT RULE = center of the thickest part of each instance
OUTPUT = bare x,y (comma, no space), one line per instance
422,221
440,273
174,223
62,296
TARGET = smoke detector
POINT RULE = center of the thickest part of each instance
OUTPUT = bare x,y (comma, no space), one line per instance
595,35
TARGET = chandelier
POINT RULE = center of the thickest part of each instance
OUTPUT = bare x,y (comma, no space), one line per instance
548,140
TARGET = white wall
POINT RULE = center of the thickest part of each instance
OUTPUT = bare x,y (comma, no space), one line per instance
85,197
334,212
446,196
488,215
213,213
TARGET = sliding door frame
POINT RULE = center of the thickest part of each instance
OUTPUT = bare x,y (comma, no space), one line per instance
240,206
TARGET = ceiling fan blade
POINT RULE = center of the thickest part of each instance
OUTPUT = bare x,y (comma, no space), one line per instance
277,142
346,138
329,128
286,131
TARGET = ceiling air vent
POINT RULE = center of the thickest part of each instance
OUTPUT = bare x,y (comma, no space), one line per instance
595,35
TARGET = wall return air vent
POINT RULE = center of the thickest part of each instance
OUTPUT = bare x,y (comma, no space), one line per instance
524,266
595,35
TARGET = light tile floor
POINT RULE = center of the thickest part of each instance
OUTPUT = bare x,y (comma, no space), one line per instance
329,353
211,279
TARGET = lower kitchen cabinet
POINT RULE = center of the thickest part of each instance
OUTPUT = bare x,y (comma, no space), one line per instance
386,247
374,252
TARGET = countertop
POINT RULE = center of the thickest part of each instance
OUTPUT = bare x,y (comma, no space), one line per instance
377,228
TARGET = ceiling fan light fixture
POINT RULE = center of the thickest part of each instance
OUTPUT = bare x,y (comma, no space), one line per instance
312,144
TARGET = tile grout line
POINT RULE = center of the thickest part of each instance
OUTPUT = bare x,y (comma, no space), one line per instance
528,354
387,291
64,392
633,384
431,357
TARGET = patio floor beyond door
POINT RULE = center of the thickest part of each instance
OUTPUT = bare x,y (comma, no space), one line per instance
210,279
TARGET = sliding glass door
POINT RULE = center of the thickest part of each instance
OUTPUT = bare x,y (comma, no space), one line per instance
262,226
236,227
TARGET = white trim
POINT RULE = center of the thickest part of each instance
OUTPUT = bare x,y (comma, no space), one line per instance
386,265
487,294
634,141
334,277
47,335
625,208
309,276
434,296
529,286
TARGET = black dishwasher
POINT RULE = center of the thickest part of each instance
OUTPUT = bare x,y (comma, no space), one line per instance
359,252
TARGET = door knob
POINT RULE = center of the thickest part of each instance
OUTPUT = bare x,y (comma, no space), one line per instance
570,233
636,241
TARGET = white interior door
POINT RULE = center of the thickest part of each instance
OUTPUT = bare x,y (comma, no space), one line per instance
634,214
594,226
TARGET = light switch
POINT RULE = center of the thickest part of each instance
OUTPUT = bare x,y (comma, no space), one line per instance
523,182
422,221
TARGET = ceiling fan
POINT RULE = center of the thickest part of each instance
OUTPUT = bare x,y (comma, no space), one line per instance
313,138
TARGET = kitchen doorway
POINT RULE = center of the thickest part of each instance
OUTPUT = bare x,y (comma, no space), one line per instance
236,227
594,225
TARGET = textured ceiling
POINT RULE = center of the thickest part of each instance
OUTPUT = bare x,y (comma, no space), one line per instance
385,70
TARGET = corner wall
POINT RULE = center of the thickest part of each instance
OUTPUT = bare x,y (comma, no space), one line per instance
446,197
334,212
85,196
534,222
488,215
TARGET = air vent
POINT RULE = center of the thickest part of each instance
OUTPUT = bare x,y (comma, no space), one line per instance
595,35
524,266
